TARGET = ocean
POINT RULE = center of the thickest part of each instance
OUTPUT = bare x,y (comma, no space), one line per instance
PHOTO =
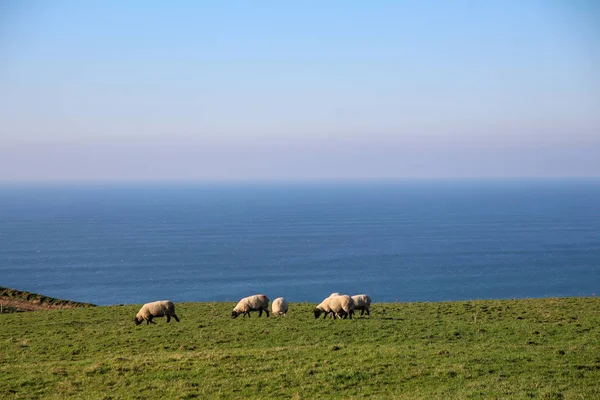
396,241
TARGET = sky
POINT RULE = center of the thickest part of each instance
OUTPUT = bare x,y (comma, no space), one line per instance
336,90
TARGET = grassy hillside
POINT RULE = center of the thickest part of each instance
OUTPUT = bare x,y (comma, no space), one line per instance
547,348
13,300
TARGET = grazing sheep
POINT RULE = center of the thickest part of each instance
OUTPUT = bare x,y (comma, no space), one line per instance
323,307
258,302
362,302
156,309
341,306
279,306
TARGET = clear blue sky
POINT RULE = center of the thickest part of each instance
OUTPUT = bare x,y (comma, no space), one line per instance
148,90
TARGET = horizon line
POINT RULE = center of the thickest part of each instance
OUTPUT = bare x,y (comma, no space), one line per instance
67,182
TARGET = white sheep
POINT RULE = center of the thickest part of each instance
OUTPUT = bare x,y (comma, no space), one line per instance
257,302
156,309
362,302
323,307
279,306
341,306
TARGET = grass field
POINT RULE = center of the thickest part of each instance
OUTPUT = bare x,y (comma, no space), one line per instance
543,348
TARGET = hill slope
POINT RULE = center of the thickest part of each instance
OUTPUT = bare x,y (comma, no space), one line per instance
542,348
13,300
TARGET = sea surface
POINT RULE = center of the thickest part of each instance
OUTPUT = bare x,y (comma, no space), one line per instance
404,241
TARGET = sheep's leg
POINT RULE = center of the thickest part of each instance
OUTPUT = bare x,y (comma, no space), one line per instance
259,312
267,311
350,314
362,311
175,316
168,318
368,312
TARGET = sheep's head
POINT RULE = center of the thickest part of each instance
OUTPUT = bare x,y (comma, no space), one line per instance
137,320
234,314
317,313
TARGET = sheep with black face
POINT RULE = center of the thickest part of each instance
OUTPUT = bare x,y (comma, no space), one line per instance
257,302
157,309
322,308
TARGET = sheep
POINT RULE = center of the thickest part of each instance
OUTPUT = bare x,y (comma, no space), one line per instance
341,306
323,307
279,306
257,302
156,309
362,302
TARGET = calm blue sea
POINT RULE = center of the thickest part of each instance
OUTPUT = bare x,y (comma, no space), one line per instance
409,241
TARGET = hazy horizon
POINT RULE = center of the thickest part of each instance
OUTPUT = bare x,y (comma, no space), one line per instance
316,182
342,91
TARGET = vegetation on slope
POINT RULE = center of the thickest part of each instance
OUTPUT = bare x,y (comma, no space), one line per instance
13,300
542,348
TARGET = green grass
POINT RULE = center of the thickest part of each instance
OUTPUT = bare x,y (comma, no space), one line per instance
543,348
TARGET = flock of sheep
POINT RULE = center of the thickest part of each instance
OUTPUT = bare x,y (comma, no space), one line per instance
337,305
